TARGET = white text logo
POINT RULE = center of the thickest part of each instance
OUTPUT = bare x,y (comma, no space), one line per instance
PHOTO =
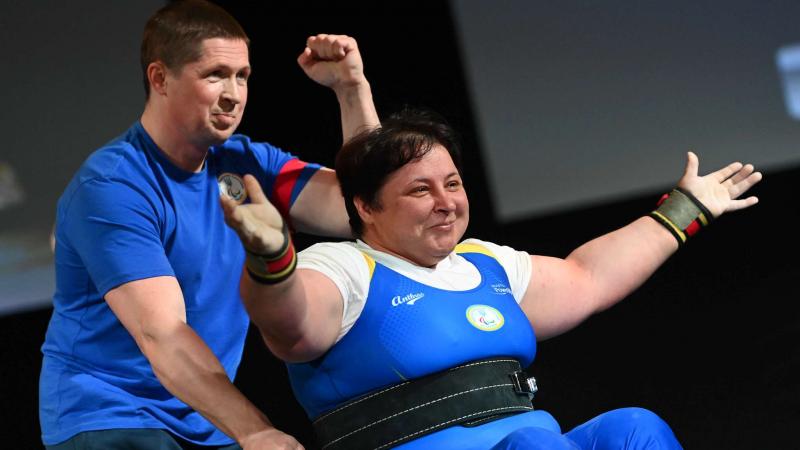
409,299
501,288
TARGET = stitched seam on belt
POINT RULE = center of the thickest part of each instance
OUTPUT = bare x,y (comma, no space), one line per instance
359,401
451,421
413,408
405,383
485,362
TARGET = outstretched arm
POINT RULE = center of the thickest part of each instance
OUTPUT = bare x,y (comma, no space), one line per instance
598,274
334,61
298,313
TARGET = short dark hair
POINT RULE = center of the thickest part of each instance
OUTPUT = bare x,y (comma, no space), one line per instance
366,161
175,33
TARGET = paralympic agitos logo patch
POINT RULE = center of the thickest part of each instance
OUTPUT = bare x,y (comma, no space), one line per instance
485,317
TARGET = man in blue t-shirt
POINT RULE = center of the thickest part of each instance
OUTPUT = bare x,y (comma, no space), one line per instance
148,326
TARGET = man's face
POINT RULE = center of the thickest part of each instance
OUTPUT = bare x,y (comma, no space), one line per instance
206,98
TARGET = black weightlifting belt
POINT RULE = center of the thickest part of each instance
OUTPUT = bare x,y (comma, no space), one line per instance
470,394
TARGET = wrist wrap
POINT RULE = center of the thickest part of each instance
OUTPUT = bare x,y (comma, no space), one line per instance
682,214
275,267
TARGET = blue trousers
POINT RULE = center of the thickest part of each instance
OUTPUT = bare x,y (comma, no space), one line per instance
625,428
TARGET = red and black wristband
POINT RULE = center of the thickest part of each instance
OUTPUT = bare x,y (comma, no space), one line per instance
682,214
275,267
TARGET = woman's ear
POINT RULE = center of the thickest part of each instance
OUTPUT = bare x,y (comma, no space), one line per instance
364,210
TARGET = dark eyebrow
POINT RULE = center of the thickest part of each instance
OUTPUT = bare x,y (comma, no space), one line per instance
427,180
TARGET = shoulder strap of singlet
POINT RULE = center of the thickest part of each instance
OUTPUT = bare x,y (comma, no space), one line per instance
474,248
370,263
460,248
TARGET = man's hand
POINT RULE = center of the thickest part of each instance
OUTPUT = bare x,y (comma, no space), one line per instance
270,439
719,191
258,224
333,61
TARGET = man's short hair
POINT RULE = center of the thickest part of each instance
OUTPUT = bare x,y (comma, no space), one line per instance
175,33
366,161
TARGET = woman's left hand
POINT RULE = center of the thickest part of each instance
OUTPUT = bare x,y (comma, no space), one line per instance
720,191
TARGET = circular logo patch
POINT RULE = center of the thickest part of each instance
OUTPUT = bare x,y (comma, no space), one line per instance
232,186
485,318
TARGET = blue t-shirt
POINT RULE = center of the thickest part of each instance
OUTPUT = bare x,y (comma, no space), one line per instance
130,214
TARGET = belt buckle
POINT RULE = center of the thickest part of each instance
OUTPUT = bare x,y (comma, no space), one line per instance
523,384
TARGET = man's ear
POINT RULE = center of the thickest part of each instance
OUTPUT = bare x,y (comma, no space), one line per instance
157,77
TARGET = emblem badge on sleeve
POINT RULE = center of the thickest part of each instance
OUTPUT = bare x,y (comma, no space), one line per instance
232,186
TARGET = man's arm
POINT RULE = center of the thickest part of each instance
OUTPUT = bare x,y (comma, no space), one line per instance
319,209
564,292
153,311
334,61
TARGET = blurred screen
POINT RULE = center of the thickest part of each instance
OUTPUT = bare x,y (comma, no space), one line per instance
584,102
73,82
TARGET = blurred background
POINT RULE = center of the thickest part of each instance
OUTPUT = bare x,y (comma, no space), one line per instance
575,117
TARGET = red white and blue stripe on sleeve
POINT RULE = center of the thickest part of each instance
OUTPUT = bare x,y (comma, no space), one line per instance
290,181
